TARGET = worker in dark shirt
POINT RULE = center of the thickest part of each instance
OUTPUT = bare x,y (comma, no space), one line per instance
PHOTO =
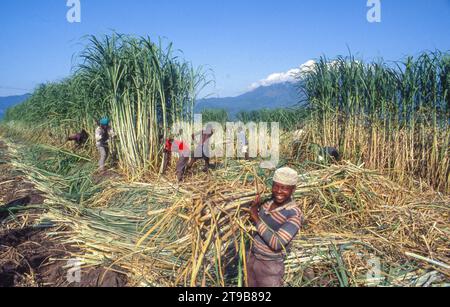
79,139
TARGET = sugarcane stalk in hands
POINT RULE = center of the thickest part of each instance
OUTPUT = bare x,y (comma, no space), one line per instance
254,210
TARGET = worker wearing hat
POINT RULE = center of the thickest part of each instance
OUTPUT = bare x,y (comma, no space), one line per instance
277,222
103,134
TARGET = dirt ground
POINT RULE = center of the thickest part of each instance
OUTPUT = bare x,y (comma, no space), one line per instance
28,256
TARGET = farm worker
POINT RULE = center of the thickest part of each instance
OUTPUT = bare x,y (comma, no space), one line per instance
103,134
325,154
331,152
176,145
167,153
184,155
277,221
203,148
80,138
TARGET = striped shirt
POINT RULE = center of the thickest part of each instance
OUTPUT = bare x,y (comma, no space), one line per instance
276,230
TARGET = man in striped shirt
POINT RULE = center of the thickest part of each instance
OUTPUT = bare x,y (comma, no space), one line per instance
277,221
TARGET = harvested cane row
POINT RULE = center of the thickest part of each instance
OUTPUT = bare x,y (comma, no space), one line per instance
164,235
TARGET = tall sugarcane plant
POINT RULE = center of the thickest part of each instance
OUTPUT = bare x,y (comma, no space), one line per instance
393,117
142,86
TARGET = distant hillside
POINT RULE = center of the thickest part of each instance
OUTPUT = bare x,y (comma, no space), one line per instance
10,101
281,95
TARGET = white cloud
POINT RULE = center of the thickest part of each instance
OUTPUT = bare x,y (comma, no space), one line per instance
289,76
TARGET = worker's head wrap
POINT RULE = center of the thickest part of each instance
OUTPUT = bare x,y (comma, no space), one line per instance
286,176
104,121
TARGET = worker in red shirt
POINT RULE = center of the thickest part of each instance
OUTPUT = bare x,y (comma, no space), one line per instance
184,155
173,145
167,154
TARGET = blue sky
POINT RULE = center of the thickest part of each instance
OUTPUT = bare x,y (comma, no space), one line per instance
242,41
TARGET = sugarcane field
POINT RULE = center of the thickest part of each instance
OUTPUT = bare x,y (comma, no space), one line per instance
135,161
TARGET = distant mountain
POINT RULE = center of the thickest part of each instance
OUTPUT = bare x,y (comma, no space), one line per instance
280,95
10,101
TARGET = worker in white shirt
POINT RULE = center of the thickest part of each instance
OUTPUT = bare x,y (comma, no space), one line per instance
103,134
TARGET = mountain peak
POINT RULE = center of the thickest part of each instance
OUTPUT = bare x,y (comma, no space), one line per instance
277,95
